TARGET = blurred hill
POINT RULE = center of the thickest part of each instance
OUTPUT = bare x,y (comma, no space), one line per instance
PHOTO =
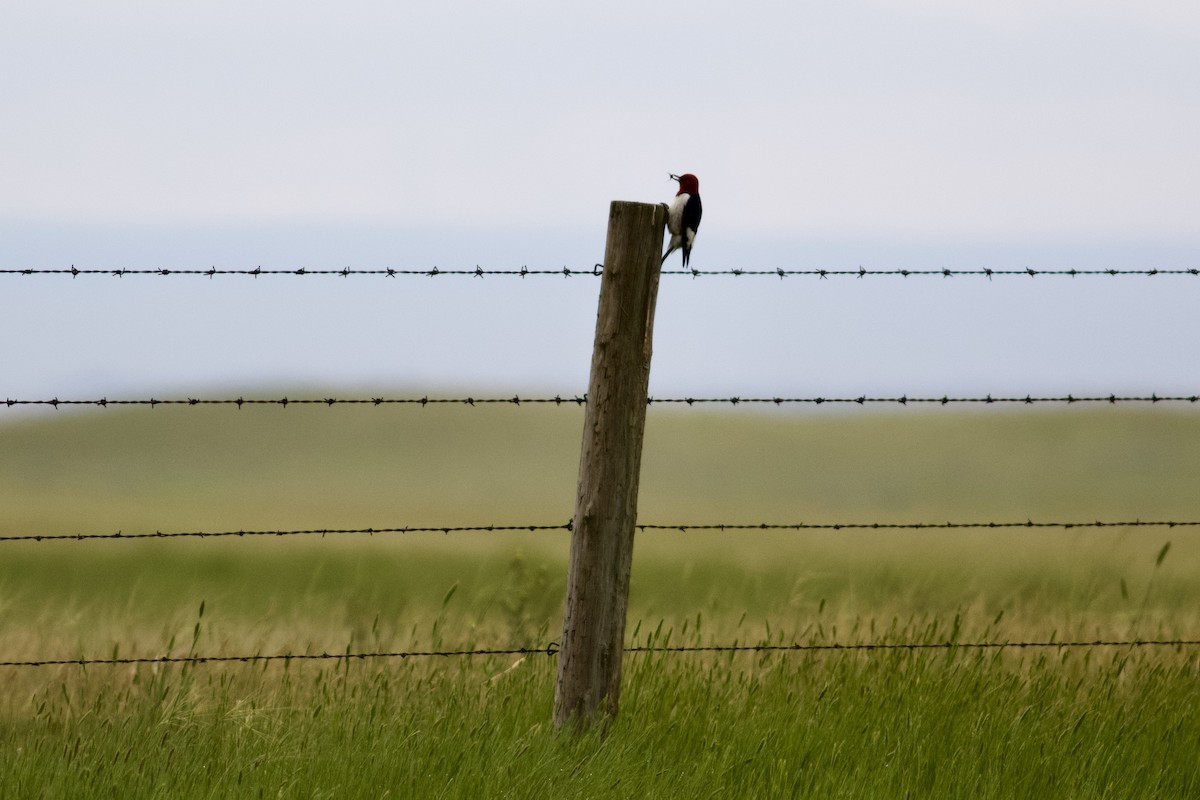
178,468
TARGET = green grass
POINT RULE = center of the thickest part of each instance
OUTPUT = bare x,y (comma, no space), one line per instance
1098,723
971,725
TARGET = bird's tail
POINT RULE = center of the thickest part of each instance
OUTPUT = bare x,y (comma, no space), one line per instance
670,250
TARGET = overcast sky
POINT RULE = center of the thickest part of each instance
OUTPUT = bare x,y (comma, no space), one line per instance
922,133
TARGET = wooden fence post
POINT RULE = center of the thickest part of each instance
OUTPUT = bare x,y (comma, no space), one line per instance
593,639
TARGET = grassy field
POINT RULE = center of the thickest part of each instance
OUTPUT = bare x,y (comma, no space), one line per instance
959,723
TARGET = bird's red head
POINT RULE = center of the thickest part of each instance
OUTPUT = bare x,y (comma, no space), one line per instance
688,183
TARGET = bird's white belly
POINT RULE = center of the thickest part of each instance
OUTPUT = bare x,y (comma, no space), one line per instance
675,214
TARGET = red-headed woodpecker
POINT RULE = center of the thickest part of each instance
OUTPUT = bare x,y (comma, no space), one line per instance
683,216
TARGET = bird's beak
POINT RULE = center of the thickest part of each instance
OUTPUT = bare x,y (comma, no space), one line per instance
673,177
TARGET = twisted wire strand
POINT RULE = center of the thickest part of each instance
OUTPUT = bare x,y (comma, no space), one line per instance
579,400
598,269
552,649
569,526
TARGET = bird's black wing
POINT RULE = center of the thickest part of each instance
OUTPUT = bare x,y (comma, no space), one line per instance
692,211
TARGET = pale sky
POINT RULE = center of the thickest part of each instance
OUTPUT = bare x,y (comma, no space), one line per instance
924,133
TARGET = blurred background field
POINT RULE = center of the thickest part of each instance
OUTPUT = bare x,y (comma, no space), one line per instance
214,469
179,467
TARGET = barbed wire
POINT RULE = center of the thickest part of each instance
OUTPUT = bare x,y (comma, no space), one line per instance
253,659
345,272
552,649
570,526
915,526
950,645
862,272
579,400
322,532
104,402
598,269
